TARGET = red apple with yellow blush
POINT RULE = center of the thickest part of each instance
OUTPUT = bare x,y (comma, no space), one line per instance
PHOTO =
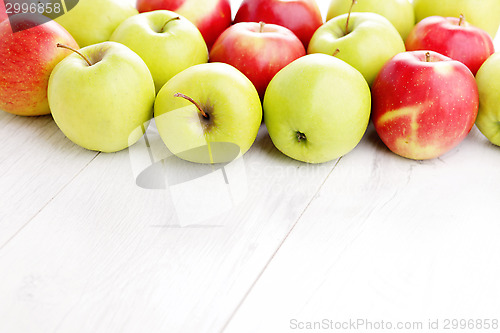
27,58
303,17
258,50
453,37
424,104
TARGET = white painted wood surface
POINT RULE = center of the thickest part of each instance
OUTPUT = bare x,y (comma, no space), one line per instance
83,248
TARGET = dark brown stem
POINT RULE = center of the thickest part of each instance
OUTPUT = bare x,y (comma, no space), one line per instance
77,52
427,57
349,16
461,20
262,24
336,52
203,113
172,19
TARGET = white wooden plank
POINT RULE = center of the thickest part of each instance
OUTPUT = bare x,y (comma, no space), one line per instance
389,239
36,162
106,255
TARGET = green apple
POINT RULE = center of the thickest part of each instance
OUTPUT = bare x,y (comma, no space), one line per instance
101,96
488,117
484,14
93,21
398,12
167,42
369,41
205,111
317,108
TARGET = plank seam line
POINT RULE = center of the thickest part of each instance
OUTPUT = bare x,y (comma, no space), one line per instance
276,251
2,246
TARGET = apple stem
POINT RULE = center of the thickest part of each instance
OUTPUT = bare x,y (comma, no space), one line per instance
337,51
262,24
203,113
172,19
349,16
301,136
427,57
462,20
77,52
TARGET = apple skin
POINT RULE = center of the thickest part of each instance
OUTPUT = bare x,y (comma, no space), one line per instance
488,117
167,48
93,21
258,51
398,12
104,107
322,98
484,14
423,109
303,17
27,58
211,17
452,38
229,99
371,42
3,14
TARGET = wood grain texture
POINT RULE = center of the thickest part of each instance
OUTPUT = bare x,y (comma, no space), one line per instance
389,239
108,256
36,162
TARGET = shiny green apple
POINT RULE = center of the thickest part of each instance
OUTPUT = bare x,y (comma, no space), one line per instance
488,117
484,14
102,99
369,41
206,111
167,42
317,108
93,21
398,12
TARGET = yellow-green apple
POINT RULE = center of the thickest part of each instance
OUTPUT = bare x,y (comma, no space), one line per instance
101,95
488,117
424,104
364,40
453,37
93,21
167,42
211,17
27,58
258,50
303,17
317,108
398,12
205,111
484,14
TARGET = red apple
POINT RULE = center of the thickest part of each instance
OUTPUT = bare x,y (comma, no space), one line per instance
452,37
27,58
3,14
303,17
211,17
424,104
258,50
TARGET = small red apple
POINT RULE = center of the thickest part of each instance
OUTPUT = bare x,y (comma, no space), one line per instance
454,38
211,17
303,17
424,104
258,50
27,58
